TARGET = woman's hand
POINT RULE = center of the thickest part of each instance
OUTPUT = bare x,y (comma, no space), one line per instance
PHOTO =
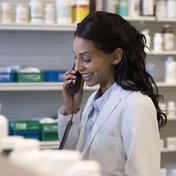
72,101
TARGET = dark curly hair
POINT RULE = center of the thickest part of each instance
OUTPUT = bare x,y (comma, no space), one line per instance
109,31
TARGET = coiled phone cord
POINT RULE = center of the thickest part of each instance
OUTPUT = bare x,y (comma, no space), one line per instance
67,130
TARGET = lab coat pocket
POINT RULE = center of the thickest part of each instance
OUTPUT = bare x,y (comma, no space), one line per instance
105,149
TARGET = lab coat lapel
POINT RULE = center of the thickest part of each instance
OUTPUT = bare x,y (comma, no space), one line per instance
108,108
82,135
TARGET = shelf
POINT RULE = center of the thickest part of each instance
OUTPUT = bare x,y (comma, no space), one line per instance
43,86
141,18
164,53
70,27
37,27
49,145
168,150
165,85
173,20
52,86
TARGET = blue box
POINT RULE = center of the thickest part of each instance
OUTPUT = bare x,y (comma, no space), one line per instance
54,75
7,77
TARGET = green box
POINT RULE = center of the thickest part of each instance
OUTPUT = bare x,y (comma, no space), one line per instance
27,125
29,77
49,132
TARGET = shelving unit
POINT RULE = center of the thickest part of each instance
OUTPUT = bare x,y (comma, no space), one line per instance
52,86
46,46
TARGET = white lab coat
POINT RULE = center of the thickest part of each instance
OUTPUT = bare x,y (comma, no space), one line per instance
124,138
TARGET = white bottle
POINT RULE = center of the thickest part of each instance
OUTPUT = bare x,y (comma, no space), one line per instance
145,32
134,8
161,9
157,42
7,12
171,110
171,8
64,11
22,14
49,13
170,70
163,172
84,168
0,13
37,11
3,125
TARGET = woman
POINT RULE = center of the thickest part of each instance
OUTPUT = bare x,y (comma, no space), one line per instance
119,126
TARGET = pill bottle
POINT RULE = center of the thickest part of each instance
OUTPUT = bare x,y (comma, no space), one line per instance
50,13
161,9
80,9
37,11
7,12
168,37
170,70
64,11
145,32
171,8
157,42
22,13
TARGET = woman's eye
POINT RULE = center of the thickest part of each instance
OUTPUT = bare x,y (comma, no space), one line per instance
86,58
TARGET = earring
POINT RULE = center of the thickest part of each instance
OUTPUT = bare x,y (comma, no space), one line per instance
115,62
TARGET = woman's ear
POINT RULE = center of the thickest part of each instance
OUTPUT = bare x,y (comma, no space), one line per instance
117,56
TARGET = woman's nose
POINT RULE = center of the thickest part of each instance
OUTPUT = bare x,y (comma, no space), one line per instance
78,65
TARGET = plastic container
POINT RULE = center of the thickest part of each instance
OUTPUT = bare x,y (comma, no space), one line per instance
49,132
171,8
123,8
50,13
25,128
145,32
37,11
4,127
158,42
168,37
8,143
80,10
161,9
54,75
147,7
22,14
7,77
84,168
64,11
170,70
8,14
29,77
171,110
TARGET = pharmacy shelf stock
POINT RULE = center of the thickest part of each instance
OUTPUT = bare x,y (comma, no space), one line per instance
53,86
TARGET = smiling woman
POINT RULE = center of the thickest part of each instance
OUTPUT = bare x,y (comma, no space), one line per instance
119,126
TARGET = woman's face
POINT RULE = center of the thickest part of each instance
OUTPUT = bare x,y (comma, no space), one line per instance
95,66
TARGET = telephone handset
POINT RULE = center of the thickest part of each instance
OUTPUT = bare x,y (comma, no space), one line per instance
73,88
